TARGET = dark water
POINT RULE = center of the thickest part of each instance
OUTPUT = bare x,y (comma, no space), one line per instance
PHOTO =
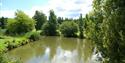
55,50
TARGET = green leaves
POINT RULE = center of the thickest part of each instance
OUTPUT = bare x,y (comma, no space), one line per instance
40,19
105,26
20,25
50,27
69,29
81,26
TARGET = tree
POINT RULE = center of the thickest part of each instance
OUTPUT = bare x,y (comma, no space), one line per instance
50,27
69,29
81,26
20,24
106,27
113,30
60,20
40,19
3,22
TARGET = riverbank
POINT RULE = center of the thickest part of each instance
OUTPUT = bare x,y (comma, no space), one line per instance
10,42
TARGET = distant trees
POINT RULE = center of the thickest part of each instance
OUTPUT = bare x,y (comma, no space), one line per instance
40,19
20,24
3,22
60,20
50,27
69,29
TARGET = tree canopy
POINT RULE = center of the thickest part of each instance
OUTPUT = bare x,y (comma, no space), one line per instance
106,27
50,27
40,19
21,24
69,29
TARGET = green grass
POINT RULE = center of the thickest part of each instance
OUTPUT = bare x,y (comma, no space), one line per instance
10,42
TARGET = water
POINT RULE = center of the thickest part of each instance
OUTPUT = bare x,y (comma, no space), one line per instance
56,50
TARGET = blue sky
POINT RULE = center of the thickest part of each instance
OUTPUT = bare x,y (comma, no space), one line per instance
21,4
62,8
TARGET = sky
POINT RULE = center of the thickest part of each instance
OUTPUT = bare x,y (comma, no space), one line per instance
62,8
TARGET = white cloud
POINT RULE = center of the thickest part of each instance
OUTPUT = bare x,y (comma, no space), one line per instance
7,13
63,8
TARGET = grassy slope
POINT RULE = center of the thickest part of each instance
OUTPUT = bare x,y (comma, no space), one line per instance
9,42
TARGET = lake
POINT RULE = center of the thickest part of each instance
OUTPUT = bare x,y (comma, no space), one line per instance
56,50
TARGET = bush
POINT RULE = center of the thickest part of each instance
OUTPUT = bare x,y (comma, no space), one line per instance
48,29
34,35
20,25
69,29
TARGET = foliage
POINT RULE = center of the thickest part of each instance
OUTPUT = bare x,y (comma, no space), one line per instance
47,29
81,26
69,29
21,24
50,27
106,27
34,35
40,19
5,59
3,22
60,20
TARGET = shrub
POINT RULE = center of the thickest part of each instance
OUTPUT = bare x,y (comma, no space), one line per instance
34,35
20,25
48,29
69,29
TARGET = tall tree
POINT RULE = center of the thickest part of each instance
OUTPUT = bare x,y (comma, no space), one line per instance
113,30
40,19
53,22
50,28
107,26
81,26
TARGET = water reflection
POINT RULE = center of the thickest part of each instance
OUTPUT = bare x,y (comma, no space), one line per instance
65,56
96,57
41,59
61,56
56,50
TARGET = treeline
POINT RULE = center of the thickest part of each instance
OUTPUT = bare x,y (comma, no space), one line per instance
22,29
54,26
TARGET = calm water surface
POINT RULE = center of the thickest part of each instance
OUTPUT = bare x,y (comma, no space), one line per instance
55,50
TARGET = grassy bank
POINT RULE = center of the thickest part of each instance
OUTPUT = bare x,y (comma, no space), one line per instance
10,42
